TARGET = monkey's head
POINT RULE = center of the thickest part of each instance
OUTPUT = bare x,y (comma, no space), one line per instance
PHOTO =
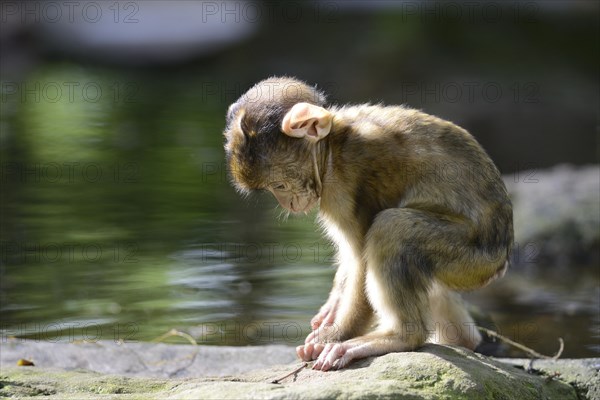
271,137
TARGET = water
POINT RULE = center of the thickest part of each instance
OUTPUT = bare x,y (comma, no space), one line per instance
118,223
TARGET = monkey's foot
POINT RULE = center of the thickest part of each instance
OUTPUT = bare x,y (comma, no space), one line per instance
337,356
326,314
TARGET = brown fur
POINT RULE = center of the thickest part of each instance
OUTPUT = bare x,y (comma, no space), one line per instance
413,202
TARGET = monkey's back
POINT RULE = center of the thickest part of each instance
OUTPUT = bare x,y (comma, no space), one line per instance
400,157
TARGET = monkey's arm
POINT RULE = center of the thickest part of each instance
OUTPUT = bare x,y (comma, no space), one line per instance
327,312
347,313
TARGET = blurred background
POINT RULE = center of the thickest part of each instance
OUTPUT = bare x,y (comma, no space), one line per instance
117,218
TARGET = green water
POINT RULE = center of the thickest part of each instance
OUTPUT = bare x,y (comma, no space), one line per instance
118,223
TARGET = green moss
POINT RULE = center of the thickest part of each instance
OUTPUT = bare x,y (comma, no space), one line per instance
31,382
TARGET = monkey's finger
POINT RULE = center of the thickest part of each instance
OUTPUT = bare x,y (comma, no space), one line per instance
329,319
317,334
306,352
316,322
311,337
318,319
300,352
317,349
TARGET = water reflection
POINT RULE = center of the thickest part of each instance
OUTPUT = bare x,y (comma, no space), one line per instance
118,223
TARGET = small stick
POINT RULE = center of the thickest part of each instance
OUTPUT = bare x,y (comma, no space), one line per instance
294,372
175,332
189,338
522,347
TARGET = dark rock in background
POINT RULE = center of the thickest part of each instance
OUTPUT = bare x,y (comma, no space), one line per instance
556,215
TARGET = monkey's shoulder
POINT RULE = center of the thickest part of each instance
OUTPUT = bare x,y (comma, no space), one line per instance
377,121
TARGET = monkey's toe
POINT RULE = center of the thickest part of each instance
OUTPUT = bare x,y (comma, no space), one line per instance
332,357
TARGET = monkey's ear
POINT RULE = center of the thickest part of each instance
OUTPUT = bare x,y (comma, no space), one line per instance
307,121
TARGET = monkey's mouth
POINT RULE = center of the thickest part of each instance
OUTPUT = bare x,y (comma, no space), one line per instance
301,205
296,202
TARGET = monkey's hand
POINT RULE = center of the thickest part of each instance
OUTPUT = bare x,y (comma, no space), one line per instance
324,330
317,340
326,314
324,318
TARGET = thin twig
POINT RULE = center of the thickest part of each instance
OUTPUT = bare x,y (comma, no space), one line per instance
175,332
294,372
191,357
522,347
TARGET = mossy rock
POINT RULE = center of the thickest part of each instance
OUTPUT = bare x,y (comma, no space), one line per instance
434,372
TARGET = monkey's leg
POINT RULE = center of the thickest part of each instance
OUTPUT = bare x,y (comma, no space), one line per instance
406,251
453,323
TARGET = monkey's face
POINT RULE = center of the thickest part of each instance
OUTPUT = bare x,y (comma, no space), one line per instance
293,186
274,162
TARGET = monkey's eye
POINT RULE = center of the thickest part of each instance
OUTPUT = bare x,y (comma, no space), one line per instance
279,186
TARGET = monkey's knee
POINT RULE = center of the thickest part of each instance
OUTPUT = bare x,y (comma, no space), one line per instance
430,247
470,273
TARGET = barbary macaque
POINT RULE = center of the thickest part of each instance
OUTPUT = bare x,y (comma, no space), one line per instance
415,207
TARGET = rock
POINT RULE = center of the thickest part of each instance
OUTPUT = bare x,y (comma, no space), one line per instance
146,359
582,374
430,373
556,215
